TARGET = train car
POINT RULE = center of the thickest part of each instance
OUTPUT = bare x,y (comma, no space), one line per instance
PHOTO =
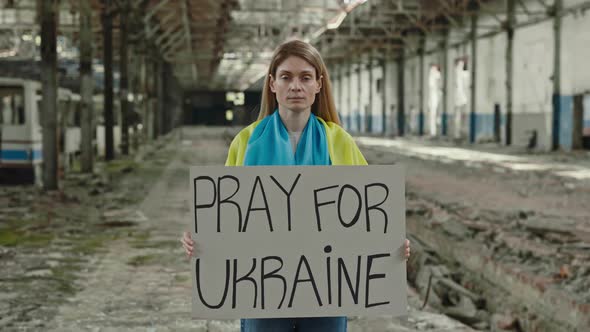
21,138
21,135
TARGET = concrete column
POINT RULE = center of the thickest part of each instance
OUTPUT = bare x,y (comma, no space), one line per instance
370,86
134,89
160,93
145,103
349,96
472,120
359,70
509,68
123,81
107,31
152,74
421,89
49,20
558,7
340,91
578,122
401,117
445,88
63,113
154,98
86,87
334,79
384,95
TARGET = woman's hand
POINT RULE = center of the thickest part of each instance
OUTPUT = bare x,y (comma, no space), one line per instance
187,243
407,247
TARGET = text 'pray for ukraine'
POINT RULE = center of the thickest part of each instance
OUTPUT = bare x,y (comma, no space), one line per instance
298,241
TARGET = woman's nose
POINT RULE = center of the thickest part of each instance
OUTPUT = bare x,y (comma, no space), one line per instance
296,85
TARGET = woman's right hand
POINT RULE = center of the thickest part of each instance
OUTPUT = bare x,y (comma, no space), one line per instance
187,243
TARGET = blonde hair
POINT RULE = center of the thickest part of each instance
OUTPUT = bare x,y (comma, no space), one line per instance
323,106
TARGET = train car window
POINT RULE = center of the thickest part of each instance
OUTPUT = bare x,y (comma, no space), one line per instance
12,105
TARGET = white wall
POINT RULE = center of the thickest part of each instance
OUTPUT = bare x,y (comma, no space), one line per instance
492,73
377,106
455,53
430,60
533,86
491,82
348,81
392,98
575,52
364,93
354,98
533,66
411,94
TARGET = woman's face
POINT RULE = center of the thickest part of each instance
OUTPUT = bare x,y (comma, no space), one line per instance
295,84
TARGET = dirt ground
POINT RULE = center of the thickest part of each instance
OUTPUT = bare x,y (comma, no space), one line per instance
104,255
507,241
517,237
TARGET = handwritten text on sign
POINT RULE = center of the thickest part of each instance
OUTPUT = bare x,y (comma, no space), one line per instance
298,241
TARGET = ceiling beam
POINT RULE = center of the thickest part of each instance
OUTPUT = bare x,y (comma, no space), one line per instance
188,38
162,24
173,40
154,9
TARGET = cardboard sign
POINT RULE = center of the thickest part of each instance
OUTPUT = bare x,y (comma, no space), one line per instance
298,241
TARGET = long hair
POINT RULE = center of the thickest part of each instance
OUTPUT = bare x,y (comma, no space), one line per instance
323,105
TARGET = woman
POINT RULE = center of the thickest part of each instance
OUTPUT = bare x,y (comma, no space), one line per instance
303,129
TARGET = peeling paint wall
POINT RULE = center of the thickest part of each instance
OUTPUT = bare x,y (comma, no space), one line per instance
533,70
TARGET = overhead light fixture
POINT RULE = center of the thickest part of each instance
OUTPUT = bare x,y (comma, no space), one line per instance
229,115
354,2
230,56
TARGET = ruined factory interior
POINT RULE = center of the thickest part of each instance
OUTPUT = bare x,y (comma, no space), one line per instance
480,108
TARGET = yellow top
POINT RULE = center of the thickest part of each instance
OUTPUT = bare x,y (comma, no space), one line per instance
341,146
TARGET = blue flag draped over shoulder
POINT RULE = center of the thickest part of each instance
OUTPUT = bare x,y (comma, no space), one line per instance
270,145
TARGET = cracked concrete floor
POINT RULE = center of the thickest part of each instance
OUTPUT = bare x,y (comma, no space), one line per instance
142,283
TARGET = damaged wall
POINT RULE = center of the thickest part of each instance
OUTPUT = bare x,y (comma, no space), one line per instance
533,60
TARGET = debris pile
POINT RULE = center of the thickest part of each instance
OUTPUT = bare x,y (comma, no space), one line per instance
548,254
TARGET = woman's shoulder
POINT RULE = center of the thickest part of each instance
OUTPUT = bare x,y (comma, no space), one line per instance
343,149
334,130
245,133
237,148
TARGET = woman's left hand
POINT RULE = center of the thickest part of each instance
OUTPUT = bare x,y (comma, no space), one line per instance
407,247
